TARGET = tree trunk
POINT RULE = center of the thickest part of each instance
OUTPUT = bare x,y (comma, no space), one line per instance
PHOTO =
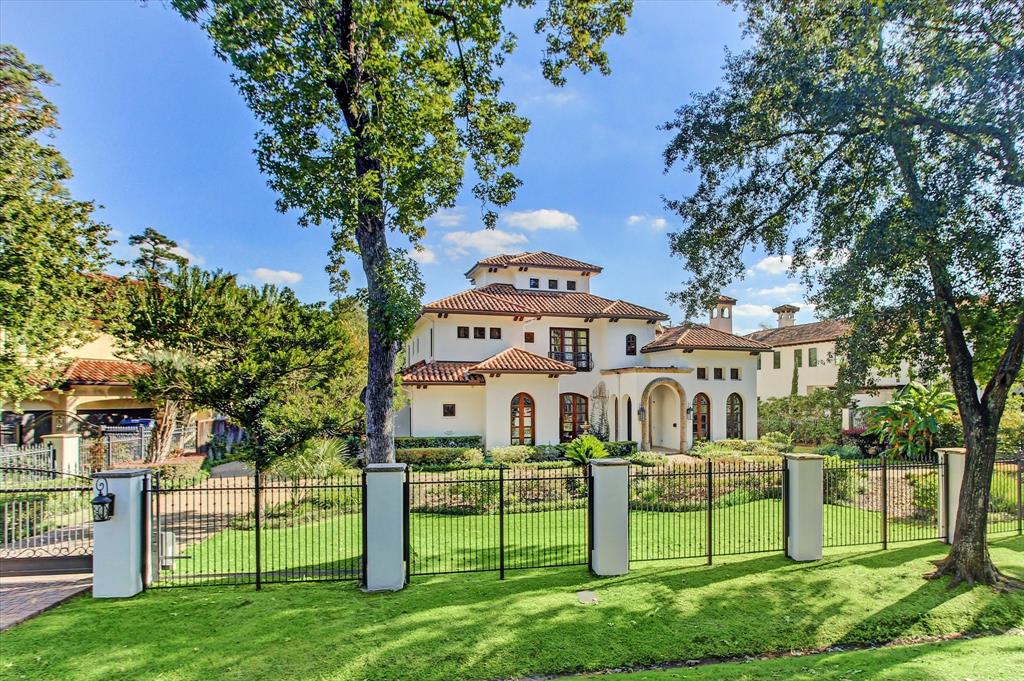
380,387
160,439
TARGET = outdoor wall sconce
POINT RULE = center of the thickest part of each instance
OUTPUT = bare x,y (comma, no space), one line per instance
641,413
102,503
689,412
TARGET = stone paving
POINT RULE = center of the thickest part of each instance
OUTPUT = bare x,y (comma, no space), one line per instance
25,597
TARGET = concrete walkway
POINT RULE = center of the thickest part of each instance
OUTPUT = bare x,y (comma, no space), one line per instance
25,597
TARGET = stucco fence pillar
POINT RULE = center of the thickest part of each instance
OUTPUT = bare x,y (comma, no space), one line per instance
384,524
804,506
67,451
121,544
609,517
953,461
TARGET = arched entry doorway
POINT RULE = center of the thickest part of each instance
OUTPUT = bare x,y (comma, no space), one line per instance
664,406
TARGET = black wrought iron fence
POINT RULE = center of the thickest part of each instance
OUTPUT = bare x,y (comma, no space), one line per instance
474,520
44,514
706,509
1006,499
257,529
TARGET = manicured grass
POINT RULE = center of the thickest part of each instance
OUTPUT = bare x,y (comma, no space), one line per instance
473,626
993,658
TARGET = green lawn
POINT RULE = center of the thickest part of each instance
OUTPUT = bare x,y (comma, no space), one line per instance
993,658
473,626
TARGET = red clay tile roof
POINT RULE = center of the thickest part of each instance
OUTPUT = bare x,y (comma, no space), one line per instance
519,361
435,373
699,337
102,372
727,300
786,308
535,259
798,334
506,299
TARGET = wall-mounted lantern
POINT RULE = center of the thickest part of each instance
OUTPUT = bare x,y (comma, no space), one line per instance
102,503
689,412
641,413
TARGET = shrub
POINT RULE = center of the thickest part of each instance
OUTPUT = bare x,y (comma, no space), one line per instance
648,459
317,459
473,456
925,494
431,455
440,441
543,453
781,440
840,451
176,472
622,449
738,445
842,482
860,438
1003,494
813,418
584,448
511,454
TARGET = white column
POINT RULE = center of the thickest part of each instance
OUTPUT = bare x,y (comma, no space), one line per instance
805,506
118,545
951,477
66,447
610,551
385,526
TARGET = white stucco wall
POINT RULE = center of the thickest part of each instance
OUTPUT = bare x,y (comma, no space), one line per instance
499,394
427,406
773,382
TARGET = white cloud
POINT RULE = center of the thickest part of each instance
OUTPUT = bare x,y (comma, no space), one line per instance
265,275
659,224
543,218
482,241
751,310
633,219
448,217
774,264
423,256
184,250
656,224
783,290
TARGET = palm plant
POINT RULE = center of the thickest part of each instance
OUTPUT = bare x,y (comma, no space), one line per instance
909,422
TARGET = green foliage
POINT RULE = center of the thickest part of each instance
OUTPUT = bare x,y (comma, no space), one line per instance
843,483
839,451
282,370
317,459
769,445
1011,427
910,421
157,254
432,456
648,459
52,252
512,454
811,419
621,449
180,472
476,441
584,448
924,494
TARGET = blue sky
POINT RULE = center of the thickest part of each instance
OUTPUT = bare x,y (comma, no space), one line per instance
157,135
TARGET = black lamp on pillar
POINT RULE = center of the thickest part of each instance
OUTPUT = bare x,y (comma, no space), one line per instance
102,503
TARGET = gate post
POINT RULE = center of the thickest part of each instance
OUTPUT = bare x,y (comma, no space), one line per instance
610,514
119,547
384,520
805,506
66,450
951,477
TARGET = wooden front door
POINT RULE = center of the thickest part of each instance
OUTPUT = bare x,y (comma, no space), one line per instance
522,420
573,415
701,417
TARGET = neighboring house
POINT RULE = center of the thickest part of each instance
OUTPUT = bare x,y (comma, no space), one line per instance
529,355
93,390
809,350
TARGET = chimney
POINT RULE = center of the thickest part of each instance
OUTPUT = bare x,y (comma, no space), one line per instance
787,315
720,317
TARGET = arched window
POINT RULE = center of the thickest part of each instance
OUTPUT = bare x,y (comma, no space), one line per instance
573,415
630,343
615,406
629,418
701,417
734,416
522,420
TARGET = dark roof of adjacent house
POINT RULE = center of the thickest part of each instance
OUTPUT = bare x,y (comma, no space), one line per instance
535,259
519,361
799,334
505,299
101,372
423,373
692,336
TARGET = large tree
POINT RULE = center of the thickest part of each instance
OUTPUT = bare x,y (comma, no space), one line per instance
51,249
879,143
282,370
370,109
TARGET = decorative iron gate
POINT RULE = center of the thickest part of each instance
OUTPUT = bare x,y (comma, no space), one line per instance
249,529
46,521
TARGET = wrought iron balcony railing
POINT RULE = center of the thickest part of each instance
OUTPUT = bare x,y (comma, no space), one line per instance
581,360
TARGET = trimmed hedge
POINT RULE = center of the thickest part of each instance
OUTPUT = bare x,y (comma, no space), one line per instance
433,456
442,441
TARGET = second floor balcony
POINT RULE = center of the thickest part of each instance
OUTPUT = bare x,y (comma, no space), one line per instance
581,360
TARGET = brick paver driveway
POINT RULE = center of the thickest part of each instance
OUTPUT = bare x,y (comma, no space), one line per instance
24,597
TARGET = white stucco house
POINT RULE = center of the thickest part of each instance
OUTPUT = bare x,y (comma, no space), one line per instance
529,355
809,350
